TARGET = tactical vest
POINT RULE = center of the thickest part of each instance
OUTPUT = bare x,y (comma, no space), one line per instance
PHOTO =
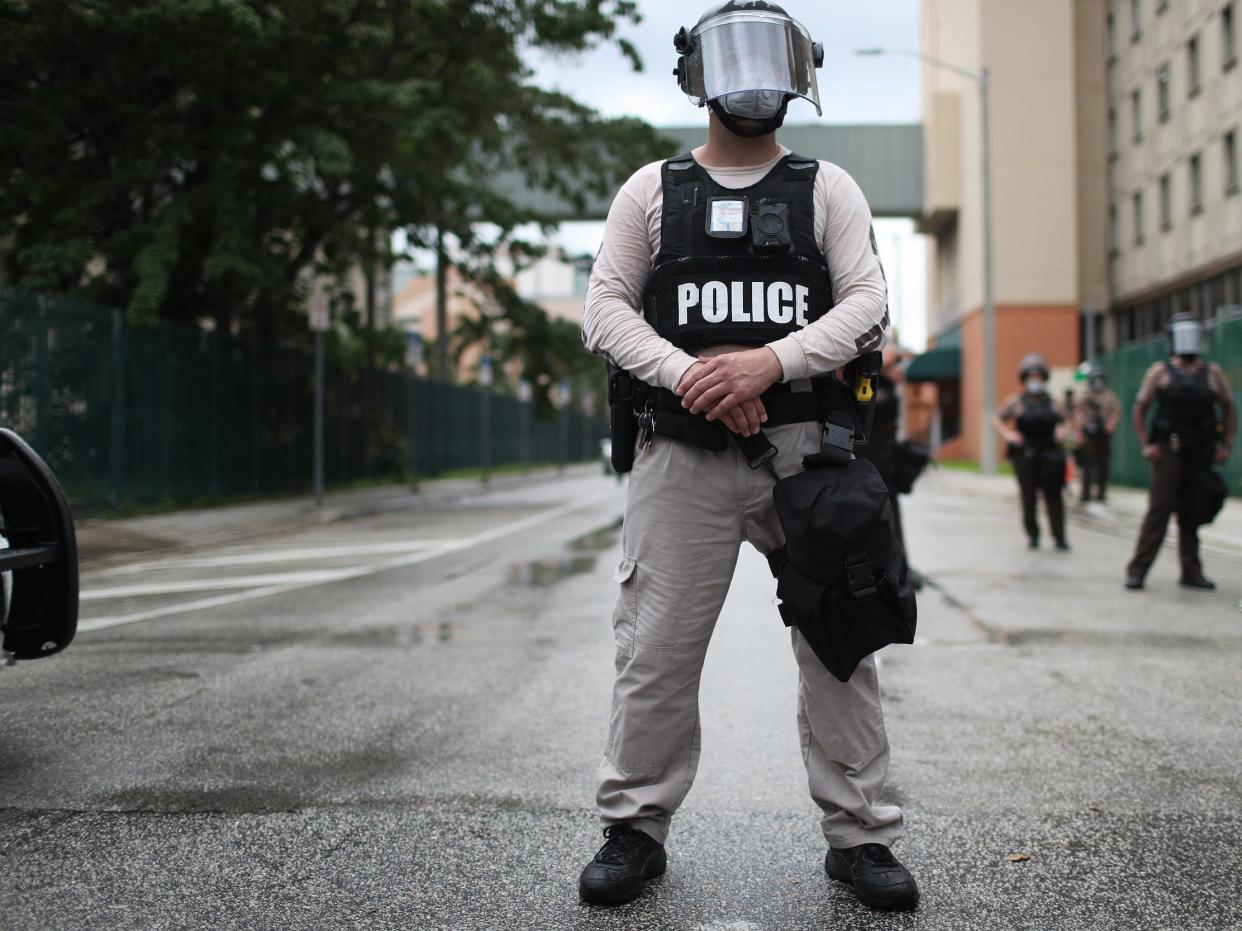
1186,406
737,265
1037,420
1094,410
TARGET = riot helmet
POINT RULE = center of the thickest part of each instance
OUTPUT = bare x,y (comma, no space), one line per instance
1033,372
1033,363
746,59
1185,335
1096,377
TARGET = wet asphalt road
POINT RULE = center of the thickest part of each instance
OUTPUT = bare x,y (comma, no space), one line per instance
394,722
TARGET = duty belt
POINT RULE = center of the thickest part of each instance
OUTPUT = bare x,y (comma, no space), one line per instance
782,404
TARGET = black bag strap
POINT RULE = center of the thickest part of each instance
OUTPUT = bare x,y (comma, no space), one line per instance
859,573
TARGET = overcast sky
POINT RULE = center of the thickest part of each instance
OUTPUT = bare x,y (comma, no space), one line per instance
851,89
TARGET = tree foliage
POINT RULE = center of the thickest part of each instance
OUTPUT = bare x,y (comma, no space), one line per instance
187,159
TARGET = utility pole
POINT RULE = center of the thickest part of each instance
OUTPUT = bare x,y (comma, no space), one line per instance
982,79
320,319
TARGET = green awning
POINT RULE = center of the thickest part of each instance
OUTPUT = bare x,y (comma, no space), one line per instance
939,364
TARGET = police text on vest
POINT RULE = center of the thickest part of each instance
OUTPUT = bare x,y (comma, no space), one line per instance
718,302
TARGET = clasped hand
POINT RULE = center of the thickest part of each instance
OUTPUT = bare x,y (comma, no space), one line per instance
727,388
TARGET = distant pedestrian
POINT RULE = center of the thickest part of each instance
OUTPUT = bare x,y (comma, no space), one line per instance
1193,428
1096,416
1031,424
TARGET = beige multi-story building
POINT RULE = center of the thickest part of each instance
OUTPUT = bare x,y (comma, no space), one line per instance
1115,136
1173,124
1029,51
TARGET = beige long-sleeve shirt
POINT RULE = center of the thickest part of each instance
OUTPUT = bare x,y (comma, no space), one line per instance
613,324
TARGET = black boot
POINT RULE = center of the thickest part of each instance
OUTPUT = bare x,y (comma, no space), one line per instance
1197,581
622,867
877,878
1134,582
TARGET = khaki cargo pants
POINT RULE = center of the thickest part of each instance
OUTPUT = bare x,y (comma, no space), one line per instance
687,514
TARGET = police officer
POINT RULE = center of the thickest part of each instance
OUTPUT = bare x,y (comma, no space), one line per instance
1030,423
1096,416
713,286
881,446
1193,427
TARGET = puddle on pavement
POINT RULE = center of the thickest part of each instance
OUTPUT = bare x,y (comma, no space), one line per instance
580,558
411,635
597,540
1101,638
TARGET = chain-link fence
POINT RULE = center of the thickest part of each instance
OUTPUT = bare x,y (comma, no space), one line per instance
173,414
1126,368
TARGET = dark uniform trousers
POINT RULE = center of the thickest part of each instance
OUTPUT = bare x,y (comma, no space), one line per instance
882,453
1170,475
1096,452
1028,469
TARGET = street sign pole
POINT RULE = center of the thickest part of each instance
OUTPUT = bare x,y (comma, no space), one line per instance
319,321
485,418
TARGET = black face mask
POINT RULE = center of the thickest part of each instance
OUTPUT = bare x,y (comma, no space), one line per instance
749,128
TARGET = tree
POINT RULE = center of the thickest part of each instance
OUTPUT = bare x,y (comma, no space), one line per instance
192,159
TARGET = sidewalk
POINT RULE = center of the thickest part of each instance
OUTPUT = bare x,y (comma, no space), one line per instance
1121,515
102,539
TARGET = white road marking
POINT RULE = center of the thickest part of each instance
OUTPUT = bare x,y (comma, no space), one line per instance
310,576
254,557
449,546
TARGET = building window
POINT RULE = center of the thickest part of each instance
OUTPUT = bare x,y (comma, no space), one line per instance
1138,218
1110,33
1162,92
1228,40
1196,185
1192,65
1231,163
1136,112
1166,202
1112,133
1136,26
1114,238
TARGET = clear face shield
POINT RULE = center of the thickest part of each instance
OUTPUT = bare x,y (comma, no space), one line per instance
744,52
1186,338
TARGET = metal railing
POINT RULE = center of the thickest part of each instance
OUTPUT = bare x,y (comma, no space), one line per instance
172,414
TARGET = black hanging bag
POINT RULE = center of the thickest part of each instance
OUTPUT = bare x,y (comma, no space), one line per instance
840,576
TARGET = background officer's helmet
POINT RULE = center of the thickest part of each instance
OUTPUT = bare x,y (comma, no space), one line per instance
1185,335
1033,362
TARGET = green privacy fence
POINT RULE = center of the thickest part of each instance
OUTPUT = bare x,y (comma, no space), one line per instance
172,414
1126,368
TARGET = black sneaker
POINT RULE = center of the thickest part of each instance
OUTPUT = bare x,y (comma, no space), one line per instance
622,867
1063,546
1134,583
877,878
1197,581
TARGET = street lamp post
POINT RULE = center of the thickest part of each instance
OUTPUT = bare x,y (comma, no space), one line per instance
987,445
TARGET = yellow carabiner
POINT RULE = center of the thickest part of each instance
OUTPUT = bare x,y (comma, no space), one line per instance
863,392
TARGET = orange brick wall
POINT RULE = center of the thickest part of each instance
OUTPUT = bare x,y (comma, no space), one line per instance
1048,329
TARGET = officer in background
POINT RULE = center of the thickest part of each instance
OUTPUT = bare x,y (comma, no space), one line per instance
1193,428
712,287
1030,423
881,446
1096,416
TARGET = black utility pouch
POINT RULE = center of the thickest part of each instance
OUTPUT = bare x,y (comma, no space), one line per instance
623,399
